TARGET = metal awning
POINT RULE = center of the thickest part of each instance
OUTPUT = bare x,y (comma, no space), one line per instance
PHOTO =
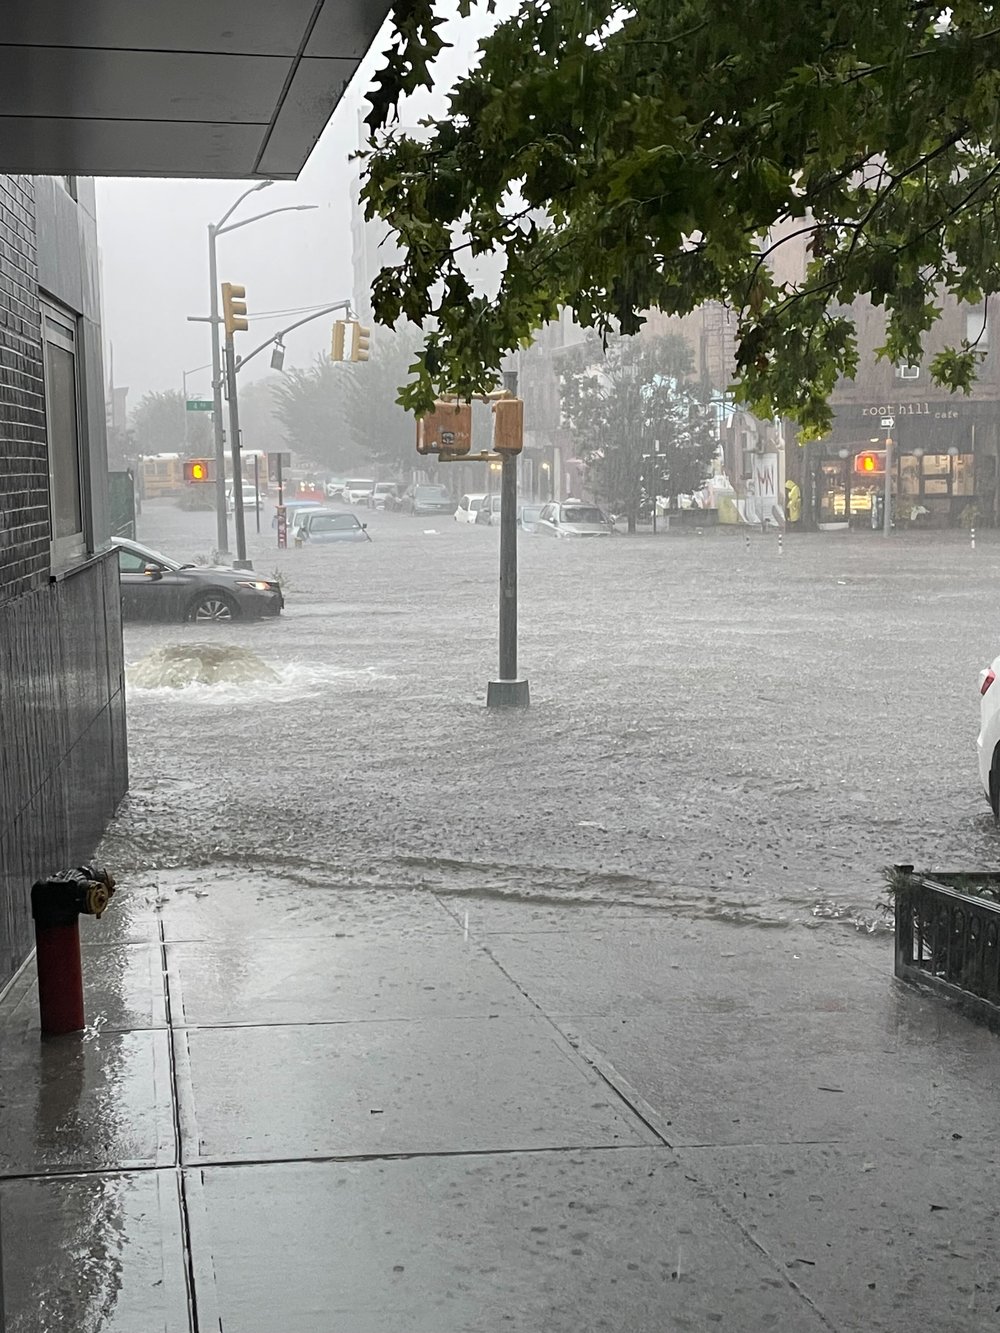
223,88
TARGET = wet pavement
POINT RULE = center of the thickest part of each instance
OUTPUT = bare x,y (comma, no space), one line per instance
410,1017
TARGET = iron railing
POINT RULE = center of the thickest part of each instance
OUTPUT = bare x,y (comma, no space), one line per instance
948,937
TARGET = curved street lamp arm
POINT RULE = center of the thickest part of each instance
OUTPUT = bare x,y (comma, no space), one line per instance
233,207
245,222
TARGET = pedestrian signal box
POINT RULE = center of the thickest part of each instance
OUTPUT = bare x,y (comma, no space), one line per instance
199,469
870,464
447,429
508,426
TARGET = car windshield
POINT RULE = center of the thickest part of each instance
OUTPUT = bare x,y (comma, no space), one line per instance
361,485
384,487
530,511
431,493
581,514
332,522
148,557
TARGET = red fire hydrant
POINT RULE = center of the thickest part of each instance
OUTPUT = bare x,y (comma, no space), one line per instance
56,906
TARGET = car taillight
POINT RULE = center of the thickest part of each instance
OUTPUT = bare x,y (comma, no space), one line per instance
989,677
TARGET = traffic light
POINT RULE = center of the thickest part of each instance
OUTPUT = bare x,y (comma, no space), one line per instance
361,343
445,430
198,469
508,426
234,308
337,341
870,464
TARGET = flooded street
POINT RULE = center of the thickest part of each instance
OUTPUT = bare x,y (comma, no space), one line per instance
716,729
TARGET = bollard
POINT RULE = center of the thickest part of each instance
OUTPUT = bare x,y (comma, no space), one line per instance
972,533
747,535
781,543
56,906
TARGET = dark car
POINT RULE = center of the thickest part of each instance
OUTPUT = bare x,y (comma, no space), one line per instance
426,498
316,526
154,587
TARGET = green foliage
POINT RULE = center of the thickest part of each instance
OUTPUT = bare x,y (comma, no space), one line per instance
161,424
374,420
658,155
309,404
638,417
197,497
342,415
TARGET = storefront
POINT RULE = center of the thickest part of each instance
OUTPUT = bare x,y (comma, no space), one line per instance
942,464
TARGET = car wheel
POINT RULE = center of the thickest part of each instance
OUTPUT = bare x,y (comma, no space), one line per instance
995,784
212,606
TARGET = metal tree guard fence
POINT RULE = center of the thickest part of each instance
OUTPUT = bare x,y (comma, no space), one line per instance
948,937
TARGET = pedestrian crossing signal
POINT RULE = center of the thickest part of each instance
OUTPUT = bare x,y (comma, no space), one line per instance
870,464
198,469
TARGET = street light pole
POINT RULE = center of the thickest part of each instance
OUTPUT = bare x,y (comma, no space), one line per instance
215,230
221,525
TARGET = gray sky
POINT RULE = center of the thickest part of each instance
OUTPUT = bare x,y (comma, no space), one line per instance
154,248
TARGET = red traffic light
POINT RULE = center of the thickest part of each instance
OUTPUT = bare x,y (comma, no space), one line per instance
198,469
871,463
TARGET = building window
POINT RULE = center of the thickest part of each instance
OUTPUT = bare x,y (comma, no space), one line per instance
69,185
67,496
908,372
977,329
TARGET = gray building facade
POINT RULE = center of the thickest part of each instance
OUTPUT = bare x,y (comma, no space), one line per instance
63,765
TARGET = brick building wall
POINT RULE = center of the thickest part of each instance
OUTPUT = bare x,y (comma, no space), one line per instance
24,499
63,760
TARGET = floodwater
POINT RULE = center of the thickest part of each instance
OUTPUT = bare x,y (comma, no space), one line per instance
717,730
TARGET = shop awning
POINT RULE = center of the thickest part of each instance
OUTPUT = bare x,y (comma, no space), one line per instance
223,88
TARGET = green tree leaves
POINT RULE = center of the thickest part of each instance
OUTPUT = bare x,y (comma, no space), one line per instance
641,422
617,159
161,424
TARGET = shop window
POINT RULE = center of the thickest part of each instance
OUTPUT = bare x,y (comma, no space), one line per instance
67,508
977,329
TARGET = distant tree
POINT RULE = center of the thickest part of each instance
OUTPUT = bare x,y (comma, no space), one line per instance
375,421
643,424
260,426
344,414
309,404
162,425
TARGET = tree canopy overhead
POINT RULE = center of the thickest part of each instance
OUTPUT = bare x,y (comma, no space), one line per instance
624,157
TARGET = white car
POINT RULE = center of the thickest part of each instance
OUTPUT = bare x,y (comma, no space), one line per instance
249,500
357,490
469,507
988,740
573,518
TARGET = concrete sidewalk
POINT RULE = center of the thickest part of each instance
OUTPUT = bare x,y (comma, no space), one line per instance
302,1110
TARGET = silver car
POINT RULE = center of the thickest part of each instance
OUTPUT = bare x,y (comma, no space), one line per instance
572,518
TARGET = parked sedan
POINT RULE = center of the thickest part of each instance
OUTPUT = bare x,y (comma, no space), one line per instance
154,587
382,495
425,498
573,518
317,526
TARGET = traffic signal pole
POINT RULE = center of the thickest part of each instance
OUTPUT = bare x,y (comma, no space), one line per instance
887,502
508,568
221,524
241,561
